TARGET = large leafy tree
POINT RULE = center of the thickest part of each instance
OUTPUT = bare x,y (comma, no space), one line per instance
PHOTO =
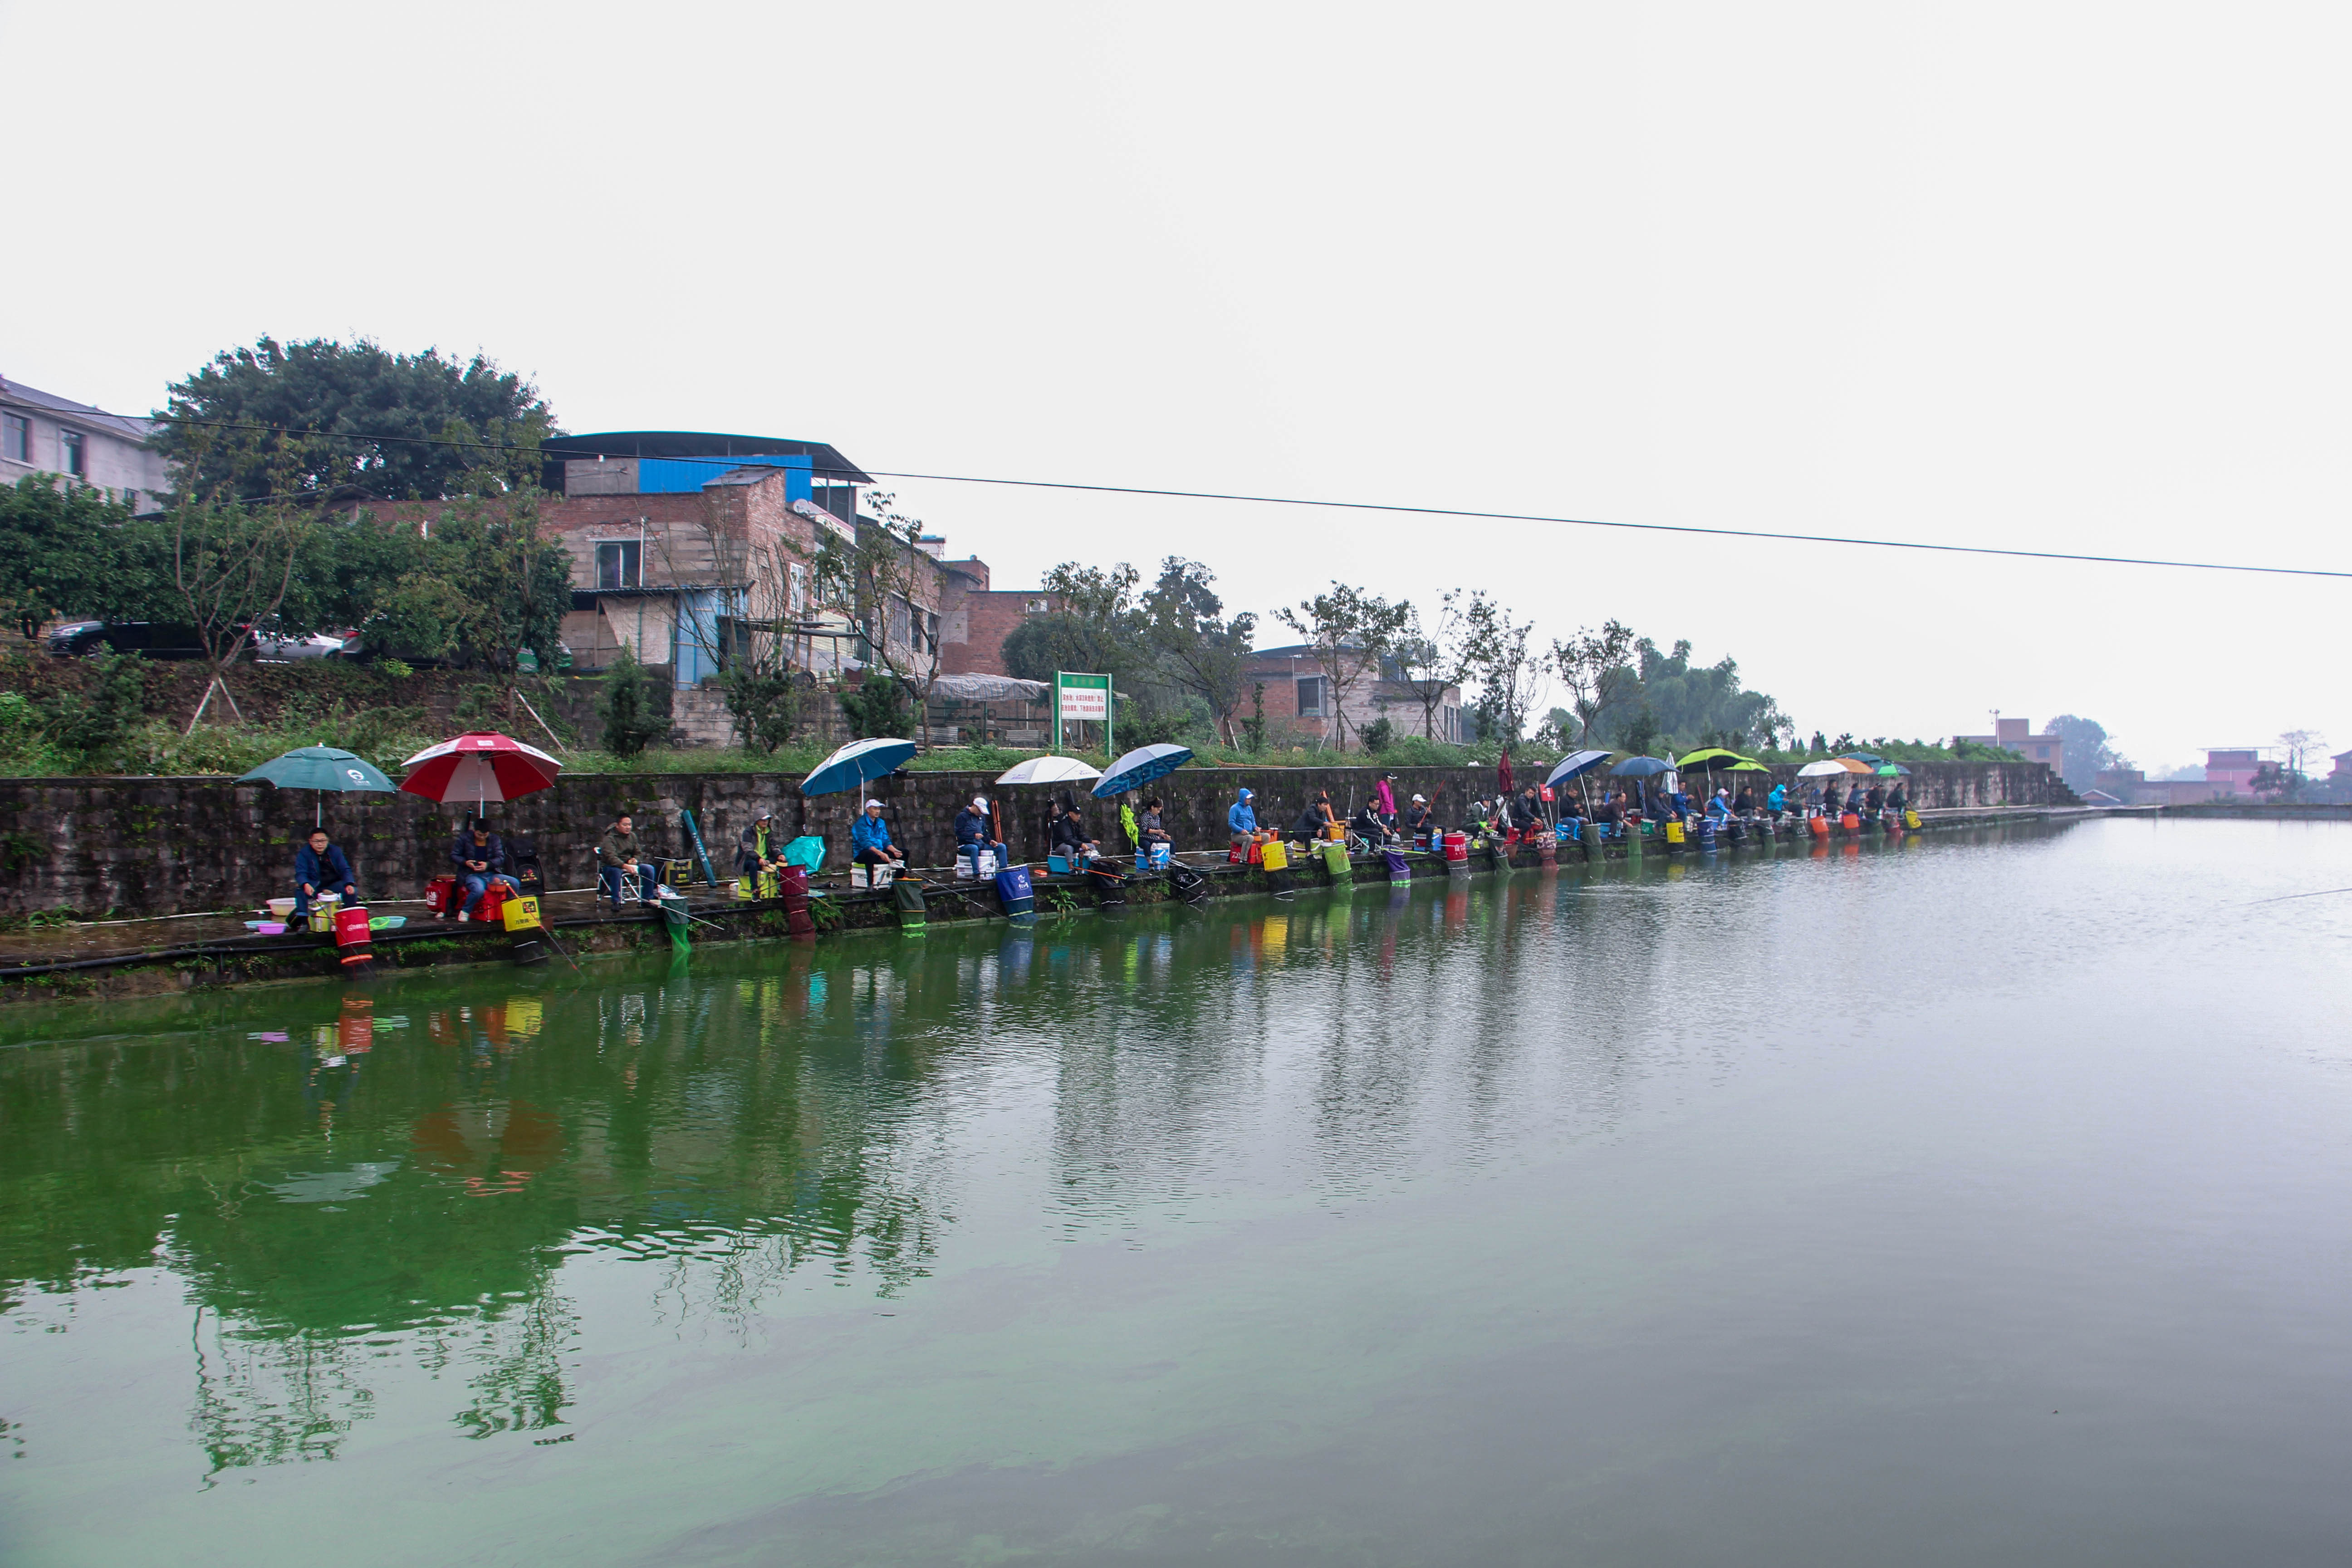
1201,653
1350,634
2087,754
319,416
71,551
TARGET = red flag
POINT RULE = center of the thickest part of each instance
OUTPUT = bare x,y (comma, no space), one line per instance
1504,771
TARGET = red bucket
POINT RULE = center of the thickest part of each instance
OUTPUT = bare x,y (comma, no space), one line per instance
351,939
1457,846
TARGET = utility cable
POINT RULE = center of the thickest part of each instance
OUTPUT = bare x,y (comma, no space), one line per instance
1249,498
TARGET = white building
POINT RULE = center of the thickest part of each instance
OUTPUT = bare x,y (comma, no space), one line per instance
41,433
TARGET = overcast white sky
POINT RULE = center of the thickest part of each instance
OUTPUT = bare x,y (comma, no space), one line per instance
2061,278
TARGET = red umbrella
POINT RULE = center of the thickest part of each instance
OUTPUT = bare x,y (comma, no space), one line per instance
483,763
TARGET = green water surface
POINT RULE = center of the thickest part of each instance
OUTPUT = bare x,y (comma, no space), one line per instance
1957,1202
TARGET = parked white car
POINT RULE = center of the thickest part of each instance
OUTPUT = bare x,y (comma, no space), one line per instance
271,649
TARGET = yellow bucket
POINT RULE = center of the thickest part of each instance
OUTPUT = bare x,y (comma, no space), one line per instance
1910,817
1673,833
1277,856
521,914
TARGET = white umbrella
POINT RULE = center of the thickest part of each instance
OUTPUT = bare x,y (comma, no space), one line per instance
1823,770
1048,770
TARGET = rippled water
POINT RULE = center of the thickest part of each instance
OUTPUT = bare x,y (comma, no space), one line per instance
1957,1203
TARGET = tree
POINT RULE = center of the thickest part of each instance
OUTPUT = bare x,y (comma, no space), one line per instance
1433,661
2300,746
488,583
1706,705
1349,632
2087,754
1596,669
1097,626
232,566
1201,653
1498,654
71,551
632,709
320,417
880,579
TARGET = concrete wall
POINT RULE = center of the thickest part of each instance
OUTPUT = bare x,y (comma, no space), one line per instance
168,845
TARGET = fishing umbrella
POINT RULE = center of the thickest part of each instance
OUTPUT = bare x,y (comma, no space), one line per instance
1872,757
1712,757
483,763
1822,770
1573,765
321,768
1645,769
857,764
1048,770
1856,764
1893,770
1139,768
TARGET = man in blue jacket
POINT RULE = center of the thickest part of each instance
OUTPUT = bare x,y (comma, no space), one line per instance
1242,820
320,868
480,858
869,840
974,829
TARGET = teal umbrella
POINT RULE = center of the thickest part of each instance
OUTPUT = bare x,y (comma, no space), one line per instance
321,768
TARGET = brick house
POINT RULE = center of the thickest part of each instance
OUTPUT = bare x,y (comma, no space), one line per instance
1300,702
2013,735
975,618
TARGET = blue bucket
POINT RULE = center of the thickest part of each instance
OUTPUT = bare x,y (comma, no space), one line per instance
1013,892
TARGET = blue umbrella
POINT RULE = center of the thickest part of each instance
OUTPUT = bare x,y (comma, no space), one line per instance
1140,767
1642,768
1573,764
857,764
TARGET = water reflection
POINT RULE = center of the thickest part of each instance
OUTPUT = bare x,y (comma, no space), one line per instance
356,1188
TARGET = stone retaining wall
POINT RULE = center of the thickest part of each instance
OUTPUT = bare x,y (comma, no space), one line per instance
173,846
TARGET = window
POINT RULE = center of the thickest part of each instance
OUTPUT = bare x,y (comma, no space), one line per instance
1310,695
16,438
618,565
1036,606
130,498
797,602
70,458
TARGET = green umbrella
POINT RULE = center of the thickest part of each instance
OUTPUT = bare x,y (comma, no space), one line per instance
321,768
1713,756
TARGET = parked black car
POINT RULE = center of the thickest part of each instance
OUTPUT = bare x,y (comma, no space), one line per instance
152,639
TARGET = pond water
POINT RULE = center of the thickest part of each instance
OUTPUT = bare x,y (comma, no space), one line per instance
1963,1201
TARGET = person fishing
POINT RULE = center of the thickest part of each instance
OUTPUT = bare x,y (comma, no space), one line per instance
1317,819
320,866
616,857
1069,838
1384,798
760,849
1719,806
975,829
1418,818
1241,823
869,839
1743,802
1155,826
1367,825
481,857
1777,801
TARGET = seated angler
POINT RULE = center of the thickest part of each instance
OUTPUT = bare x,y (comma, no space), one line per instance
320,868
481,857
869,839
975,829
1070,840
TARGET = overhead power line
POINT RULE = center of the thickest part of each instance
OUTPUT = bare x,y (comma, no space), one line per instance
1391,507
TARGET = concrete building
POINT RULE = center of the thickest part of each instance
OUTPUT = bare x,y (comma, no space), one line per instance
2131,786
1300,701
2232,768
2014,735
41,433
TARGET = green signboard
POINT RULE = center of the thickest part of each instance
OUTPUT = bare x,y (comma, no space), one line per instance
1084,699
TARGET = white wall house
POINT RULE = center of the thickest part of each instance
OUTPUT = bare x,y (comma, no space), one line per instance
41,433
